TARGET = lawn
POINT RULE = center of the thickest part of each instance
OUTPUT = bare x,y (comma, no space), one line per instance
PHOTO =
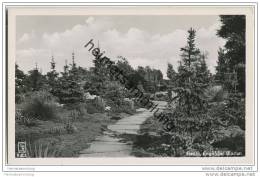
51,135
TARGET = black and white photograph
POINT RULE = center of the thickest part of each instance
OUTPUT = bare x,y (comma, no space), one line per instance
117,87
130,86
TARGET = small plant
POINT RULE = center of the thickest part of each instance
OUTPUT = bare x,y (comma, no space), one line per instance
24,118
70,128
58,130
74,115
39,150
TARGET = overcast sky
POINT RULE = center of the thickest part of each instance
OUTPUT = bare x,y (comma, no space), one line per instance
143,40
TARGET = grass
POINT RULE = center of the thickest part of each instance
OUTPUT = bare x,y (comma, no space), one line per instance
39,150
61,141
47,126
40,105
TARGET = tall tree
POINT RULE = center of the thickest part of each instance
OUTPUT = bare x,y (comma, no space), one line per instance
171,72
70,90
233,30
190,123
124,65
189,90
20,83
222,67
203,74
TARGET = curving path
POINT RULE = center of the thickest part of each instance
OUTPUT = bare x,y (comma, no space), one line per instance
108,145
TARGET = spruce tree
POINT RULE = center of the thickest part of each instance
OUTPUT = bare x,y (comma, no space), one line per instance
189,119
35,80
70,90
188,88
233,30
52,77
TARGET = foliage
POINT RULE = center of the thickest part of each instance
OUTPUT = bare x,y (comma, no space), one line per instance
69,90
35,81
90,107
39,150
125,107
171,72
69,127
124,65
233,30
40,105
215,94
190,123
231,112
231,137
57,130
52,78
202,72
190,85
24,118
114,94
20,84
222,67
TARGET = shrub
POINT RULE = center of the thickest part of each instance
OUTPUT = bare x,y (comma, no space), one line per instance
57,130
24,119
39,150
41,105
114,94
124,107
232,137
70,128
231,112
19,98
92,107
75,115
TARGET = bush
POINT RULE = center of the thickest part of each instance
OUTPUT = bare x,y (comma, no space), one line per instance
232,137
124,107
230,112
57,130
24,119
80,110
215,94
92,107
70,128
41,105
114,94
19,98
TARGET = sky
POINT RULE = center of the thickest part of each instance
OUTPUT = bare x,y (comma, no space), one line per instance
143,40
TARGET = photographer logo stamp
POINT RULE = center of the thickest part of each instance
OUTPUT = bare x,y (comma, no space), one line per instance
21,150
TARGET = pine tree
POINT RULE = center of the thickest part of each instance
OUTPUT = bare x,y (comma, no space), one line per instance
70,90
188,88
99,78
189,121
35,80
52,77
